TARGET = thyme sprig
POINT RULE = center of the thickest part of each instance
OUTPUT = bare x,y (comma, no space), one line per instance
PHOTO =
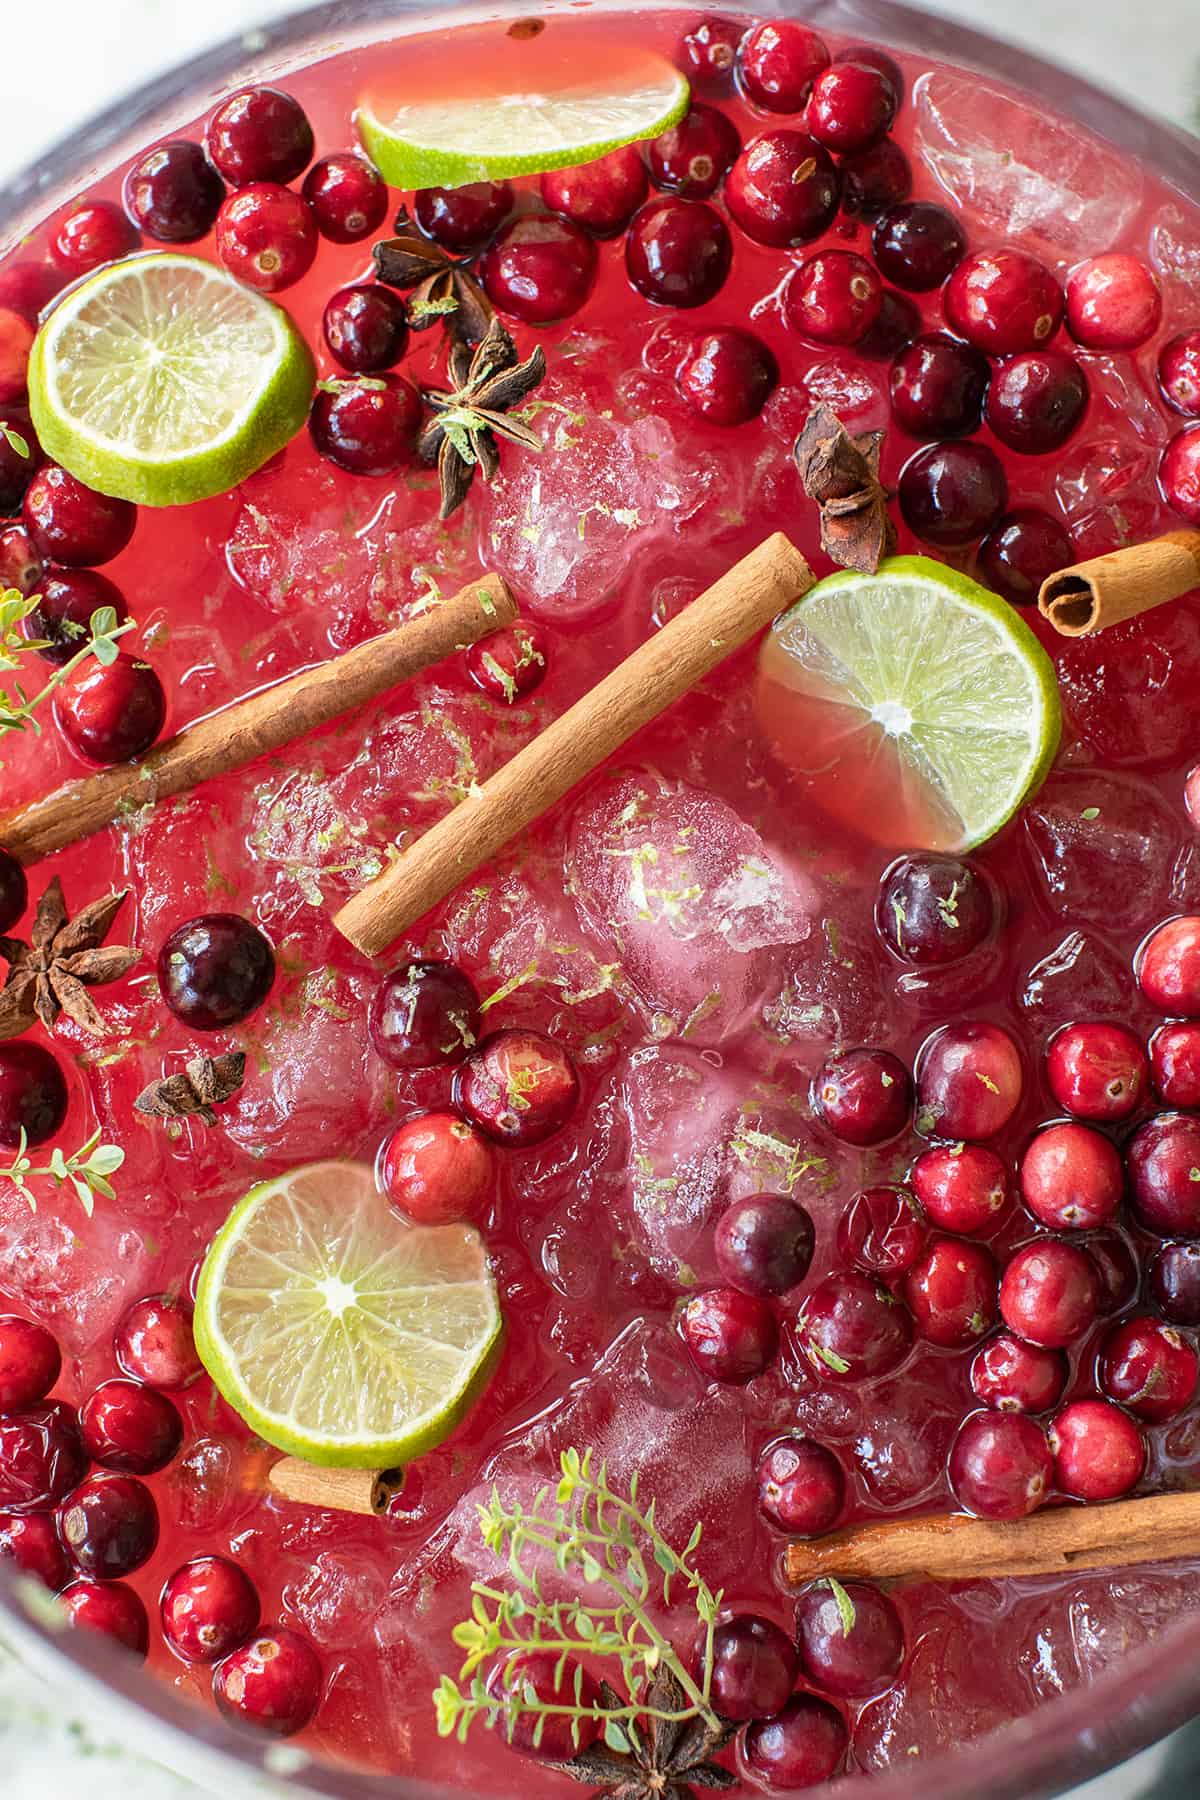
16,707
87,1171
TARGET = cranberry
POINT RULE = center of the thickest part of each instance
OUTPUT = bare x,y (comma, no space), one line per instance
1179,372
1179,474
1174,1280
1099,1453
863,1096
851,1329
600,196
969,1081
368,425
834,297
875,179
424,1013
916,244
111,1609
1168,968
72,524
851,107
14,891
801,1487
111,712
934,908
173,193
691,158
1035,401
33,1544
274,1681
1117,1268
727,376
209,1608
1175,1063
154,1343
951,493
28,287
881,1231
677,252
267,236
519,1087
707,53
110,1525
872,57
937,387
41,1458
463,218
20,456
754,1667
1050,1293
1097,1071
1000,1465
849,1650
215,970
1010,1375
764,1244
730,1335
554,1679
783,189
16,341
961,1187
1072,1178
349,198
510,663
540,268
802,1746
129,1427
898,323
30,1362
1022,551
96,232
259,134
1163,1160
1113,302
951,1293
1148,1368
20,565
366,327
778,63
62,618
33,1094
436,1168
1003,301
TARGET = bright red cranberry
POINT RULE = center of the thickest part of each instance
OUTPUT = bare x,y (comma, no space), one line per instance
1174,1282
754,1667
834,297
1113,302
1035,401
863,1096
783,189
1168,968
554,1680
540,268
875,180
1179,474
72,524
436,1168
1072,1178
33,1094
518,1086
961,1187
1003,301
20,565
951,1293
129,1427
111,712
677,252
267,236
1050,1293
209,1608
349,197
274,1681
41,1458
600,196
367,425
510,663
1148,1368
1012,1376
952,492
881,1231
67,598
1163,1160
731,1336
14,891
96,232
778,63
30,1362
802,1746
727,376
16,341
764,1244
933,908
259,134
1021,551
1097,1071
851,107
851,1329
916,244
463,218
28,287
691,158
112,1610
898,324
20,458
707,53
32,1543
1099,1453
424,1013
848,1655
801,1487
969,1081
1175,1063
110,1525
1179,372
173,193
937,387
215,970
1117,1267
1000,1465
366,327
154,1343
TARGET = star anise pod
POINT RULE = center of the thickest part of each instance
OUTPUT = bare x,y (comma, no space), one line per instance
52,973
486,382
442,290
666,1759
841,473
206,1081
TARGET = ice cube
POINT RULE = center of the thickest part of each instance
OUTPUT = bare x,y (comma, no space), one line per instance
215,1482
902,1444
1082,977
76,1275
856,391
1105,679
1175,254
1101,848
335,1592
834,989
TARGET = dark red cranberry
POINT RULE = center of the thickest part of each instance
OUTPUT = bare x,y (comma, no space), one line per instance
41,1458
366,327
14,891
367,425
215,970
1179,474
33,1094
62,618
1174,1281
554,1680
436,1168
111,712
802,1746
898,323
424,1013
130,1427
872,57
91,234
1010,1375
32,1543
349,197
154,1343
969,1081
1113,302
463,218
274,1682
691,158
1072,1178
1163,1161
778,63
961,1187
937,387
851,1329
881,1231
259,134
1099,1453
731,1336
834,297
209,1608
20,565
72,524
707,53
934,908
1179,372
1097,1071
863,1096
173,193
1000,1465
110,1525
16,341
112,1610
953,492
875,179
951,1293
1020,553
1050,1293
727,376
1003,301
267,236
764,1244
1148,1368
783,189
511,663
851,107
1168,968
801,1487
916,244
20,457
754,1667
848,1649
600,196
1117,1267
1175,1063
28,287
30,1362
540,268
1035,401
518,1086
677,252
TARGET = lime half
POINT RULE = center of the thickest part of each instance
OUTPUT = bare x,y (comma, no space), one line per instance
912,704
162,380
338,1332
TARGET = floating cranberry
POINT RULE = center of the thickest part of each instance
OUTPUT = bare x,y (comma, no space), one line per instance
1021,551
154,1343
366,327
267,236
1050,1293
1168,967
110,1525
462,219
540,268
802,1746
1175,1063
92,234
707,53
600,196
850,1328
875,179
863,1096
834,297
1117,1267
1174,1282
274,1681
951,1292
1148,1368
881,1231
367,425
215,970
731,1335
32,1543
916,244
801,1487
953,492
933,908
1163,1160
727,376
872,57
778,63
848,1649
851,107
554,1680
754,1667
259,134
72,524
518,1086
1000,1465
1097,1071
62,618
783,189
14,891
16,341
1099,1453
41,1458
424,1013
436,1168
30,1362
349,198
677,252
898,324
20,565
969,1081
1036,401
33,1094
1003,301
1010,1375
510,663
1179,474
28,287
961,1187
130,1427
111,712
209,1608
937,387
1072,1178
112,1610
764,1244
173,193
1179,372
1113,302
691,158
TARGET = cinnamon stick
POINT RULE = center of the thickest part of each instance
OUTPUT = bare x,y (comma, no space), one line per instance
262,722
1056,1541
364,1491
723,618
1090,596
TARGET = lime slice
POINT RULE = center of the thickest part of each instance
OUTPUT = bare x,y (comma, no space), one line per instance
338,1332
162,380
912,704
